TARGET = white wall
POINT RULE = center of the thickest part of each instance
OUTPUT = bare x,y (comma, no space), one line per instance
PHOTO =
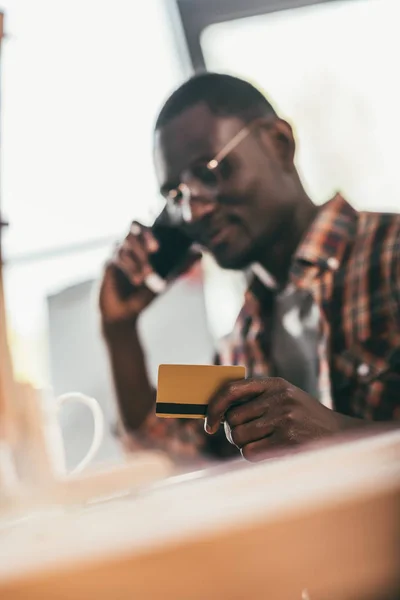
173,329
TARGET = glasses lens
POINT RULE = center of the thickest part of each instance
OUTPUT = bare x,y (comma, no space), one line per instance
176,199
207,177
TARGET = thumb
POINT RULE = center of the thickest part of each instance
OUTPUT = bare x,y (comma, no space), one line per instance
108,283
139,300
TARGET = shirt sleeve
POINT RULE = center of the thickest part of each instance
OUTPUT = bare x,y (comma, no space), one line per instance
396,278
183,440
388,409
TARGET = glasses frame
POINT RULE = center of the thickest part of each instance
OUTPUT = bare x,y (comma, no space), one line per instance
183,189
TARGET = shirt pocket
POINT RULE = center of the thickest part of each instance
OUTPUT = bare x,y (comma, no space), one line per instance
357,364
364,382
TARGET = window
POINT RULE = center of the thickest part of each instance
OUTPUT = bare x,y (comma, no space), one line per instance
82,83
330,68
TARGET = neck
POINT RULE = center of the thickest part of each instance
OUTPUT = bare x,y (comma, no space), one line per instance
277,260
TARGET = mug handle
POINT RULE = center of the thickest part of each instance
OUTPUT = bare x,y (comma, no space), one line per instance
98,420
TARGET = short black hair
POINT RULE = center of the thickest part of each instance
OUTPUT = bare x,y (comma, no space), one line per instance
224,95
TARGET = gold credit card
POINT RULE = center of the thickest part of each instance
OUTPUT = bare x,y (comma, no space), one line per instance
184,391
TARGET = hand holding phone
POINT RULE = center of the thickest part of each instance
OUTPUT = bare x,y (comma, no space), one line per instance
162,250
174,248
133,255
123,294
142,265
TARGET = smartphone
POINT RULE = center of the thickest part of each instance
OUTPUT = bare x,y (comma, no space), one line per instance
174,246
173,251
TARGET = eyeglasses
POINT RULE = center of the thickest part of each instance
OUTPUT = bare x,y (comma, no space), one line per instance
208,174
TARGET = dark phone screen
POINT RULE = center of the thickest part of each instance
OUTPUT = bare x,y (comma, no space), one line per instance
174,246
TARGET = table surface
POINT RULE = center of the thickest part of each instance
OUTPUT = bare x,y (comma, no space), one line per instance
199,504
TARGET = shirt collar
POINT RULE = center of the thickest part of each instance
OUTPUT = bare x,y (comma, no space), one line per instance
323,245
325,242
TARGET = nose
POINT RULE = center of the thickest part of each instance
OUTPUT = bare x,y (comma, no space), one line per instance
200,209
200,202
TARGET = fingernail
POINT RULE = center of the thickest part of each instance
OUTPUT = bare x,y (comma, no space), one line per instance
135,229
153,245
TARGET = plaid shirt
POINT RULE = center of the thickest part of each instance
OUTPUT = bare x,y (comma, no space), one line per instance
350,263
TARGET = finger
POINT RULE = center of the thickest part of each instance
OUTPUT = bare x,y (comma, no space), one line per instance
247,411
267,448
142,235
132,269
121,250
138,301
252,432
108,285
257,451
238,391
135,246
132,258
150,241
136,228
145,235
274,445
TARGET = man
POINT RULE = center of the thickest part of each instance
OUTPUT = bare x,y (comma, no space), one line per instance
319,332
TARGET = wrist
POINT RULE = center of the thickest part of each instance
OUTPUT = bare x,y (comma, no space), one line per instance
119,329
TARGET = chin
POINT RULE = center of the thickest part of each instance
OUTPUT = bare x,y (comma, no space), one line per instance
233,261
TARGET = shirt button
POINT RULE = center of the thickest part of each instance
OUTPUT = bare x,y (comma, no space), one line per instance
363,370
333,263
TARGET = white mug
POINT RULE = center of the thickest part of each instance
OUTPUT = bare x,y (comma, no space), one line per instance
50,408
37,455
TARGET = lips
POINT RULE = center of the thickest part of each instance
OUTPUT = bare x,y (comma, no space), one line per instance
217,237
215,234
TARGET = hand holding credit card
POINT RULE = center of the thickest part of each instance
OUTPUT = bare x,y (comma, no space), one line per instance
183,391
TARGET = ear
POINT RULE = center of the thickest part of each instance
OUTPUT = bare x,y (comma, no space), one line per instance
281,137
